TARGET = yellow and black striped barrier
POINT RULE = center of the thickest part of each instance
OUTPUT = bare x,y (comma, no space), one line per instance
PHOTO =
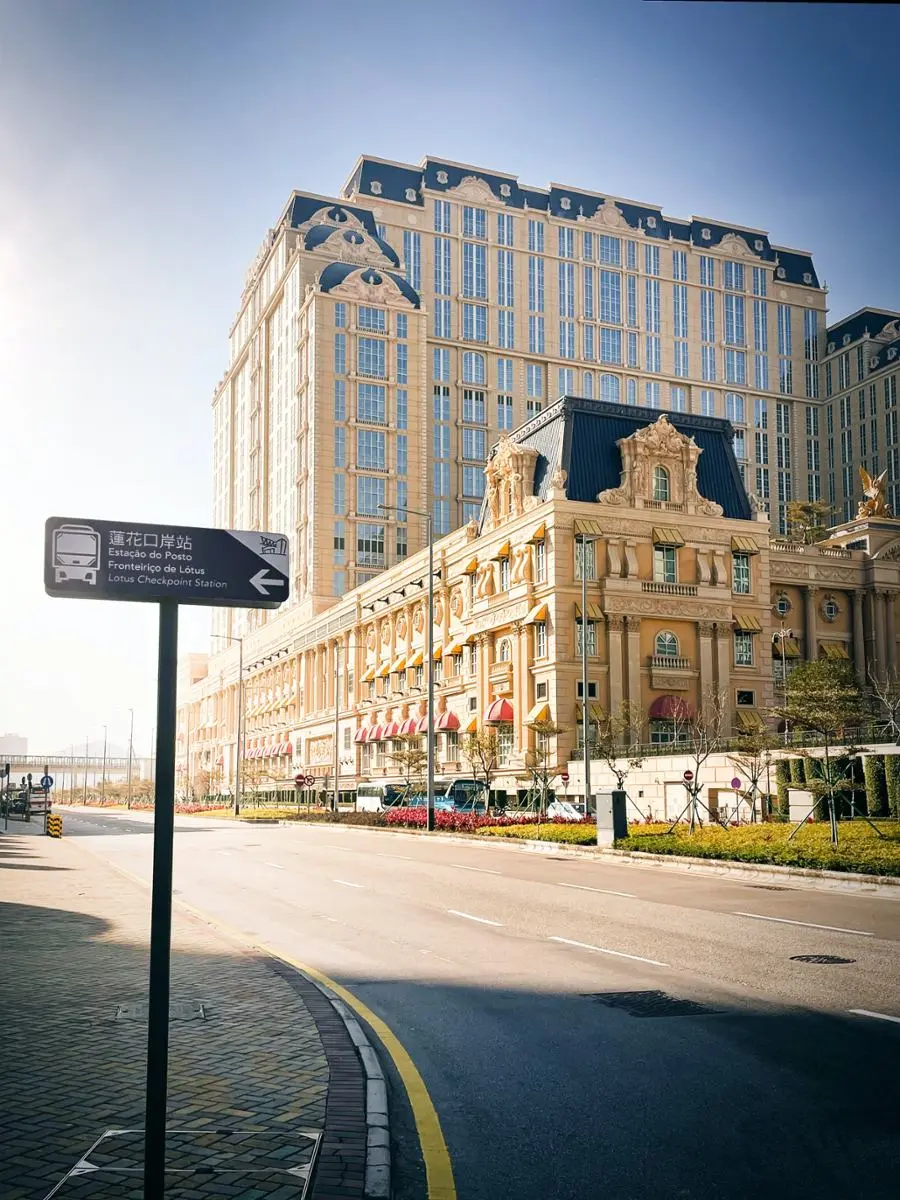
54,825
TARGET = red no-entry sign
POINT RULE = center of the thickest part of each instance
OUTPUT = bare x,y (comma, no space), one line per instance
688,776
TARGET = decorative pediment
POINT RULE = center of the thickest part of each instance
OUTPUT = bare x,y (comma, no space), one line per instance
733,243
356,246
473,188
890,333
370,287
333,214
510,482
659,445
608,215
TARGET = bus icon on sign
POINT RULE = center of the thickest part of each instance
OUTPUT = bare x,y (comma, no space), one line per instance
76,553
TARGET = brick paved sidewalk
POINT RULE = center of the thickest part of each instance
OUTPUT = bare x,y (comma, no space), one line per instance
260,1063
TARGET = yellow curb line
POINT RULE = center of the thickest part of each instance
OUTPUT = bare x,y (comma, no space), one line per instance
438,1167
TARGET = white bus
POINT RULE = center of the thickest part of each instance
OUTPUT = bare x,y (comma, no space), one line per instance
76,553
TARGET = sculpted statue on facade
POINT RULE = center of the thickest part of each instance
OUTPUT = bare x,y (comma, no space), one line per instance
874,488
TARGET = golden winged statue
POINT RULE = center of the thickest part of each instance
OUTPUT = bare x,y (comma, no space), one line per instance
874,504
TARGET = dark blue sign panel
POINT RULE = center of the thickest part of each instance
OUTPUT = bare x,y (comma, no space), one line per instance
122,560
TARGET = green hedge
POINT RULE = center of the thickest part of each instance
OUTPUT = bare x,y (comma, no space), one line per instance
782,783
892,781
575,833
876,788
860,849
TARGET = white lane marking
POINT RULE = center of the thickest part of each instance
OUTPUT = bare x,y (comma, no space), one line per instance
439,958
603,891
602,950
405,857
480,870
864,1012
805,924
347,883
277,866
225,853
468,916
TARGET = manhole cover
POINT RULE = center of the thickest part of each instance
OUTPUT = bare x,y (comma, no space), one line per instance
827,959
179,1010
650,1004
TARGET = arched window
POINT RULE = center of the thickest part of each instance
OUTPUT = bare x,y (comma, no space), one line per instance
631,391
504,650
660,483
666,645
473,367
589,385
609,388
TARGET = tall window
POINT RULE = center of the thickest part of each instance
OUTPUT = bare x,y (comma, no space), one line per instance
540,561
631,303
743,648
609,388
566,242
370,494
666,645
740,574
505,229
587,247
679,265
611,297
442,216
473,367
474,222
610,250
474,323
443,279
412,257
664,564
534,380
536,236
759,281
660,483
566,289
475,270
678,399
611,345
370,449
591,637
371,357
707,271
651,260
567,339
733,276
734,320
505,278
680,309
651,312
585,559
588,292
536,336
653,354
473,406
540,639
371,403
536,284
504,412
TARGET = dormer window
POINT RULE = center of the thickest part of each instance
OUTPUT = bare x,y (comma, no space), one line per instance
660,483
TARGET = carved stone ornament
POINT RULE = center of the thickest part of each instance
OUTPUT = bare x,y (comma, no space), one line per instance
615,623
336,215
608,215
891,554
484,581
890,333
385,632
471,187
520,567
356,246
401,626
558,480
371,639
419,618
659,445
370,287
438,611
509,476
456,603
732,243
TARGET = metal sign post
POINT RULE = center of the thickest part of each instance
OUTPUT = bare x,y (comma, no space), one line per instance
169,565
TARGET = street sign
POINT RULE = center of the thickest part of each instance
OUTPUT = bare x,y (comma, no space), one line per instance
46,782
564,777
736,784
688,776
123,560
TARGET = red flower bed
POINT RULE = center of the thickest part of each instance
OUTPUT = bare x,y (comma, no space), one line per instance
457,822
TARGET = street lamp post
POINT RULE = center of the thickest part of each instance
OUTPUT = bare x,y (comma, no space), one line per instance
239,740
130,751
103,775
429,644
782,634
86,751
337,714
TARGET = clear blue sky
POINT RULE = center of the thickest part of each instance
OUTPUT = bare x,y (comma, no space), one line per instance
146,147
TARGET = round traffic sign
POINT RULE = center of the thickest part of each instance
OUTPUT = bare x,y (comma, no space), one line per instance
300,779
688,776
47,781
565,777
736,784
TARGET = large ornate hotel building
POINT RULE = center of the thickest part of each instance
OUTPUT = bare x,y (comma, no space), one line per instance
389,338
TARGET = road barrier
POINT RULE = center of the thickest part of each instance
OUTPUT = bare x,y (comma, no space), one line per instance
54,825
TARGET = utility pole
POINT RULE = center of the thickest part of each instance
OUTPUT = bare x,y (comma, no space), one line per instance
103,775
585,707
86,749
239,740
130,752
337,714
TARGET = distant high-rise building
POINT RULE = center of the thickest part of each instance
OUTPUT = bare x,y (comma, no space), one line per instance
12,745
388,337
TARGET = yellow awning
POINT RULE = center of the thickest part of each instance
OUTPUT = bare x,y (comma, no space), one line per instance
416,659
538,613
595,712
540,712
791,648
471,567
453,648
595,612
747,623
744,545
593,527
383,671
469,639
437,653
502,551
665,535
398,664
539,534
749,720
471,726
834,650
369,676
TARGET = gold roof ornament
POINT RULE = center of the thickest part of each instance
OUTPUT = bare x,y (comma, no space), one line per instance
874,488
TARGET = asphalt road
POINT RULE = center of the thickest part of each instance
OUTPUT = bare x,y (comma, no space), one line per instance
489,963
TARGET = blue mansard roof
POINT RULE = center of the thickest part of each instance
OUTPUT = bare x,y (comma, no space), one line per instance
337,272
866,323
580,436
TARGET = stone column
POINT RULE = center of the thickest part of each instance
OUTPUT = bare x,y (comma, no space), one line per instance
634,672
880,634
724,657
520,698
614,626
891,632
809,624
706,681
346,665
859,641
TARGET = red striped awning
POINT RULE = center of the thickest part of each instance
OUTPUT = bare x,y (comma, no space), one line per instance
500,712
671,708
409,727
391,730
362,734
447,722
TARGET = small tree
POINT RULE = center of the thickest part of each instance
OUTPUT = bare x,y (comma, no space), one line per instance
699,735
481,751
807,520
885,699
825,700
617,742
753,758
412,763
539,760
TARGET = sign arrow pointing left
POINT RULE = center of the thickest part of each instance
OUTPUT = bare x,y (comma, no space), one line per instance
262,582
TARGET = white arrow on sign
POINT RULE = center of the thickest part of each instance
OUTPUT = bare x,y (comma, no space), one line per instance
262,582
